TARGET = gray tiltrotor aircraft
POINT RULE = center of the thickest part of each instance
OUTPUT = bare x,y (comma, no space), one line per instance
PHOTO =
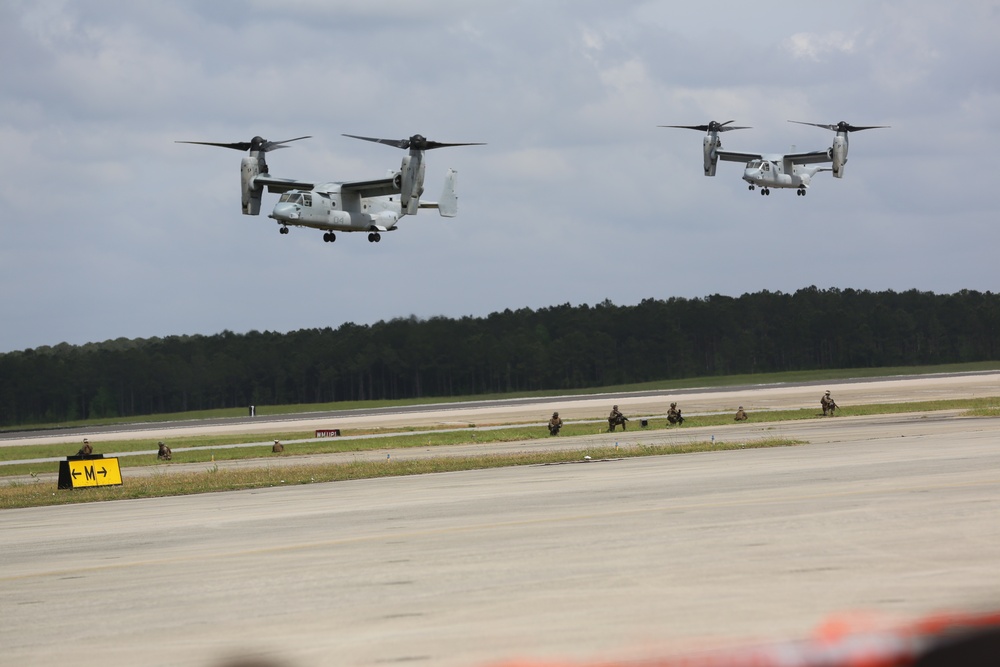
359,206
777,170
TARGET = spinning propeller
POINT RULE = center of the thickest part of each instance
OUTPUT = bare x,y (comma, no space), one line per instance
713,126
842,126
416,142
258,144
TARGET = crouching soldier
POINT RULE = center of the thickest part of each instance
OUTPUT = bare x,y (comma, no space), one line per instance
616,419
741,416
827,403
164,454
674,415
555,424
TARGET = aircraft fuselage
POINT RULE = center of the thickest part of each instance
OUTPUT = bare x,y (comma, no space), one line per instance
775,172
328,209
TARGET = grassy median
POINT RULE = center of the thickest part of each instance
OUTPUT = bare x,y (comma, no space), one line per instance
37,494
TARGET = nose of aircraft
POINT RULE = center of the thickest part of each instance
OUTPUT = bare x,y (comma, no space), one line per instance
285,211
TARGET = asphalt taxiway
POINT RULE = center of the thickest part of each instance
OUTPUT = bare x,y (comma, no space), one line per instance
895,515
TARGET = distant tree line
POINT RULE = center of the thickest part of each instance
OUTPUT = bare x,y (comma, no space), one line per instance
556,348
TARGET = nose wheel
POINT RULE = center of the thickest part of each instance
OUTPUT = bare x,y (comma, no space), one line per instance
374,237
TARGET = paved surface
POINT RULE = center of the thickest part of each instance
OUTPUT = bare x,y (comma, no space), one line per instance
589,561
753,397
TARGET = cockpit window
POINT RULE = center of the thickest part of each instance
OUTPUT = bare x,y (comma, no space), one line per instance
291,198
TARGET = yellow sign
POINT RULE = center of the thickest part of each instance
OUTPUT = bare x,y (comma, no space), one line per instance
95,472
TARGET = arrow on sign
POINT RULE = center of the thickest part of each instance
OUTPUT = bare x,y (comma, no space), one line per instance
103,471
76,473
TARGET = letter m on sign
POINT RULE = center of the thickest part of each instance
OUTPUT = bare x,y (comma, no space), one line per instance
91,475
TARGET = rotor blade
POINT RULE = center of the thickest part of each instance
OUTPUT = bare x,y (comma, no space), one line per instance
841,126
238,145
440,144
700,128
398,143
257,143
416,142
858,128
274,145
825,127
714,126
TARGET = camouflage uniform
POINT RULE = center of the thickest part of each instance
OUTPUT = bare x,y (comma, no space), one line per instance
741,416
828,404
674,415
616,418
555,424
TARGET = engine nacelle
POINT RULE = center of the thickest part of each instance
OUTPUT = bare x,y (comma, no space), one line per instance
838,154
251,194
397,180
412,184
709,146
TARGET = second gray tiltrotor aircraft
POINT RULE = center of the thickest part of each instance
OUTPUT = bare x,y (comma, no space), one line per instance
777,170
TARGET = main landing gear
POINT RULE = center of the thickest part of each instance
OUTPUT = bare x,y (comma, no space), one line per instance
283,230
374,237
801,192
765,191
329,237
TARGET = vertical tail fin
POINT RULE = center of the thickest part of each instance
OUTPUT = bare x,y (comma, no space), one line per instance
448,206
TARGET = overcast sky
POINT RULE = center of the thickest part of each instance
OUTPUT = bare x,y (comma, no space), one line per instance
110,229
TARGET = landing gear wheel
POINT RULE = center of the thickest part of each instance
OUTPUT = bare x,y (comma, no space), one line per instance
378,237
329,237
801,192
371,237
283,230
751,188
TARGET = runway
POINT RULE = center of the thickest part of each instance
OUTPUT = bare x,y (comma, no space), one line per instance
594,561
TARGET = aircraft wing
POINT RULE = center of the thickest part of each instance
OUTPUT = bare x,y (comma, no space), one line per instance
730,156
812,157
377,188
281,185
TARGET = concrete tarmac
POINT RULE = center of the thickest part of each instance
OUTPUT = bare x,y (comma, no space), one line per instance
896,515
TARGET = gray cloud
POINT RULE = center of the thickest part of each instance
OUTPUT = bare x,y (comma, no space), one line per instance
111,229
